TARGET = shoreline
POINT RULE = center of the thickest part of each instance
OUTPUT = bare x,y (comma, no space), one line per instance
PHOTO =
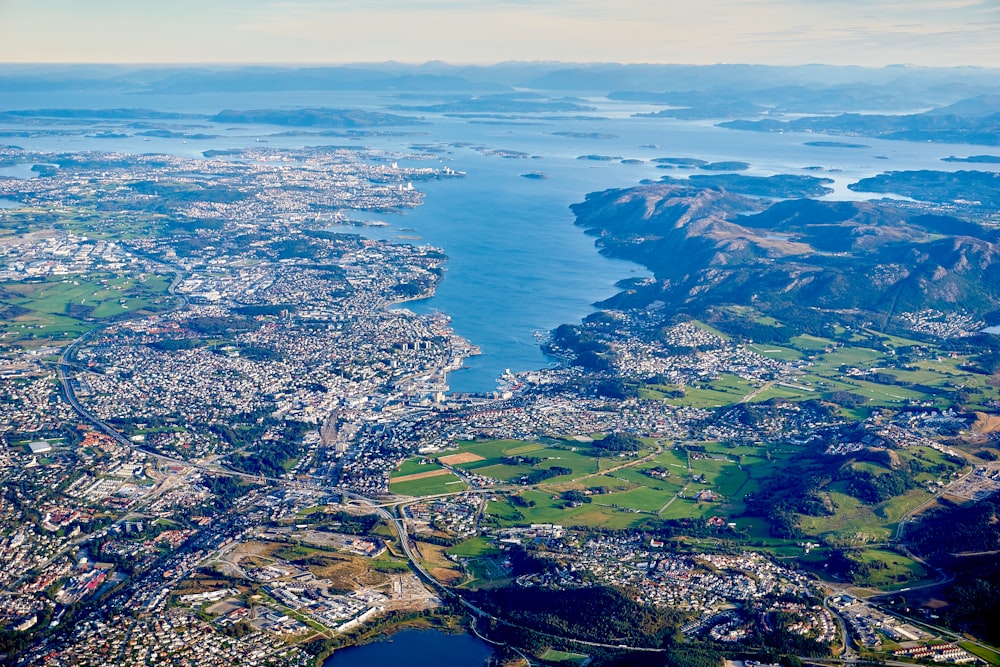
447,623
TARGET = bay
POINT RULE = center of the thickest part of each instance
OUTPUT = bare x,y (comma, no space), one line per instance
21,170
517,266
415,648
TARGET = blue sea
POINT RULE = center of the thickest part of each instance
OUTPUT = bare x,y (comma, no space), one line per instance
517,265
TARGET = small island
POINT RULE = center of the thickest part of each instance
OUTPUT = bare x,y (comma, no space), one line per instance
982,159
680,161
728,165
834,144
535,175
584,135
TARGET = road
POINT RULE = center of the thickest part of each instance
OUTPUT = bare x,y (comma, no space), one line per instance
847,652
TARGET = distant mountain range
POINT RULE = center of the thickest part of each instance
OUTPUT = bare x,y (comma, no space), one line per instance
812,88
963,102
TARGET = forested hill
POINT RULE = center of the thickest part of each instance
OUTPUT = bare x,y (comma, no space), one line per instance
707,246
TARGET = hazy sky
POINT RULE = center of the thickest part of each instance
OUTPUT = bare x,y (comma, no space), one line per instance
862,32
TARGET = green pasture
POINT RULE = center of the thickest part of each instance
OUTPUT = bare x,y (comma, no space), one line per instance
581,458
856,523
495,449
882,394
504,473
724,390
550,508
57,306
889,570
635,476
781,391
414,466
710,329
688,508
639,499
673,457
429,486
806,342
476,547
894,341
990,656
563,657
852,357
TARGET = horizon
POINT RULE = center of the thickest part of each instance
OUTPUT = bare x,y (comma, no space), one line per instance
926,33
455,64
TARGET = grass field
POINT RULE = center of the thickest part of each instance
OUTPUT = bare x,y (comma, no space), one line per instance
856,523
486,569
415,466
781,391
726,389
563,657
550,509
64,307
991,657
581,458
477,547
639,499
887,570
890,570
429,486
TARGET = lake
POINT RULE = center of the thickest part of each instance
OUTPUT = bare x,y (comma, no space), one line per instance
415,648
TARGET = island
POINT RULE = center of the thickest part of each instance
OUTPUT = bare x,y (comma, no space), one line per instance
835,144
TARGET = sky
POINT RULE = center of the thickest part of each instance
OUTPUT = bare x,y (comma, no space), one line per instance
839,32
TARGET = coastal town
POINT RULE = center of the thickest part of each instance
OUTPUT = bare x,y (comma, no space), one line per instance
210,383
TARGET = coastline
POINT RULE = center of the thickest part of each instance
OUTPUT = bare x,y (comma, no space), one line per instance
446,622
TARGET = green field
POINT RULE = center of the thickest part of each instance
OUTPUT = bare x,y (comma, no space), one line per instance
991,657
856,523
636,476
887,570
485,569
781,391
552,655
429,486
581,458
549,508
477,547
415,466
891,570
64,307
639,499
806,342
725,389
